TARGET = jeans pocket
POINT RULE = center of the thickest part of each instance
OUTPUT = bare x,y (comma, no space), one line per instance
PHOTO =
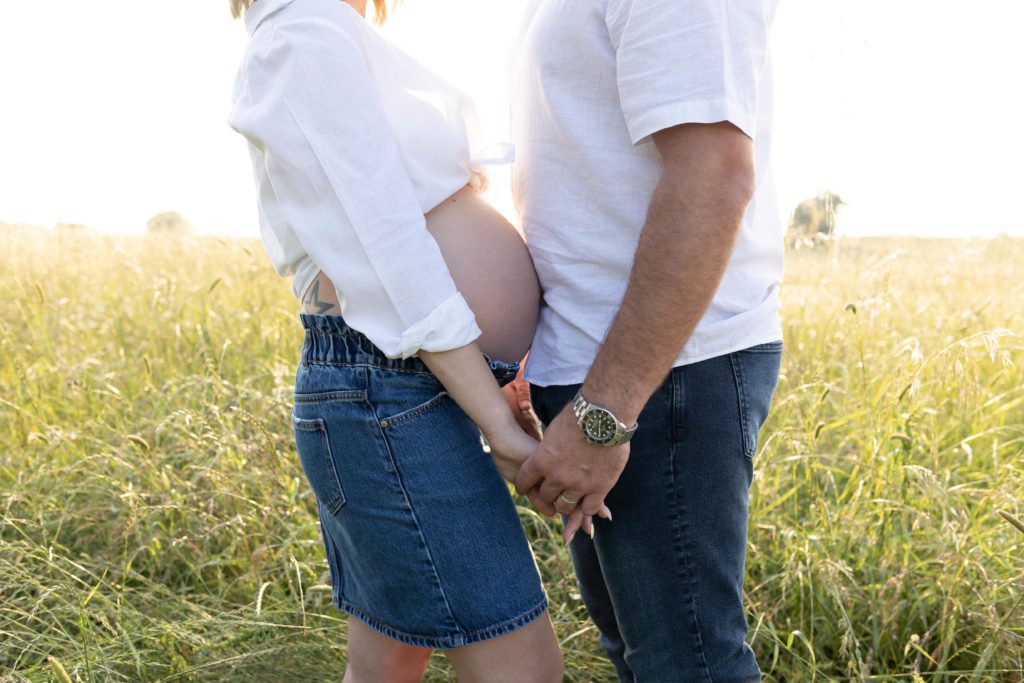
314,448
421,409
398,397
756,372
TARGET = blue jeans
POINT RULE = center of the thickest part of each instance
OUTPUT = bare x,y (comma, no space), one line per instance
663,582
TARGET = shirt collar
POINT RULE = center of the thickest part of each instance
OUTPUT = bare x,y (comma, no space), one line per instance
260,10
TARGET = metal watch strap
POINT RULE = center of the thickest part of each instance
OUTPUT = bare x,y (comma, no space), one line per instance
580,407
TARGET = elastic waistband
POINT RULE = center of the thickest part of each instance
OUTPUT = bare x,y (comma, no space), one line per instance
329,339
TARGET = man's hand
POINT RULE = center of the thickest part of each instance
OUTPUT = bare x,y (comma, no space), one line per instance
566,467
509,449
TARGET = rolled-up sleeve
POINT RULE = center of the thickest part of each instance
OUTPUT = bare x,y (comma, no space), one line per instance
310,107
698,61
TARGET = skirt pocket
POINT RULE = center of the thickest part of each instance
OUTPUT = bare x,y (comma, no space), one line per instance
317,461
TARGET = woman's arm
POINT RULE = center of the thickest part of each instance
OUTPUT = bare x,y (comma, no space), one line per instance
468,380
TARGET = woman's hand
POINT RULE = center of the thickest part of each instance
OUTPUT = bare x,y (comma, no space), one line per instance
510,447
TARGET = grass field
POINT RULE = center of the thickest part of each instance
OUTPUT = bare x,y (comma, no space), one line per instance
155,524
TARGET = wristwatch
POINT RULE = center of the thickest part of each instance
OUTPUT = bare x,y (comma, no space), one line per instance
599,425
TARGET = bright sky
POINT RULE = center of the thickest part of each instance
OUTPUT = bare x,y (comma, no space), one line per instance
113,110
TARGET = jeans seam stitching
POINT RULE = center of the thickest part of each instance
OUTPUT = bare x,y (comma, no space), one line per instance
767,347
463,637
681,549
741,401
322,396
677,405
334,567
334,470
379,366
412,511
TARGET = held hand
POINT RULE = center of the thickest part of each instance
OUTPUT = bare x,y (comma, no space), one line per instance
510,448
567,468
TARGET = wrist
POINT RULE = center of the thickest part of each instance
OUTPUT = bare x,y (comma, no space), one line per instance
501,429
615,401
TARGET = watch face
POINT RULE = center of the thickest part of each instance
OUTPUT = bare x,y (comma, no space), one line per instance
599,425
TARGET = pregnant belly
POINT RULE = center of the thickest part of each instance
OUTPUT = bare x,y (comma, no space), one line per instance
492,269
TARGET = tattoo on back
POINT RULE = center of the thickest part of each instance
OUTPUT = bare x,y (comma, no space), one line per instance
313,299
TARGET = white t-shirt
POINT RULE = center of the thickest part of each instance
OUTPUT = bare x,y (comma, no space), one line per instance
592,80
352,142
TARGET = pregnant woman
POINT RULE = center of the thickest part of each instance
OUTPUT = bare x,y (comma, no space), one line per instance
367,196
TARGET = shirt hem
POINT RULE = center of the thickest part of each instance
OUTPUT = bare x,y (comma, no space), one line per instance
577,374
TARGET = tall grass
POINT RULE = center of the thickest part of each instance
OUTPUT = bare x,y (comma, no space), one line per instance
155,525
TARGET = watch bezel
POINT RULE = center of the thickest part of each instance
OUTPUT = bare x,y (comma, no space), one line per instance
596,412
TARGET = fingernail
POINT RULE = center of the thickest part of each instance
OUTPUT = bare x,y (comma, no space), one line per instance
590,533
570,538
609,515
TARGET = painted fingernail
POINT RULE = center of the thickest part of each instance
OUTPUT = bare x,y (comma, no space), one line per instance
570,538
590,532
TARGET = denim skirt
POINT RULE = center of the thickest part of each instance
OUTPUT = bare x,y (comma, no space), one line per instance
422,536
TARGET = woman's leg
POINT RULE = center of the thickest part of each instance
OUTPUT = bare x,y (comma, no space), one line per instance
527,655
373,658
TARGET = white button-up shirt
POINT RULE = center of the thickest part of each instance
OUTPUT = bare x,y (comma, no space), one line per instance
352,142
593,80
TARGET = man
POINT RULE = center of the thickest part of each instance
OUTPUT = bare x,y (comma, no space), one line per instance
643,130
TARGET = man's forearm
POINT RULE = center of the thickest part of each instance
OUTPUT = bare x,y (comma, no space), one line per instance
692,226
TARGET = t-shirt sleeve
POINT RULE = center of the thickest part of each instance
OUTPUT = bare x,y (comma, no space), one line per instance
688,61
341,187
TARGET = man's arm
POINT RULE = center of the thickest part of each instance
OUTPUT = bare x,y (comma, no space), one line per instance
691,229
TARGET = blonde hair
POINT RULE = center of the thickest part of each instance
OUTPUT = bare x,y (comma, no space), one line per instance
380,7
